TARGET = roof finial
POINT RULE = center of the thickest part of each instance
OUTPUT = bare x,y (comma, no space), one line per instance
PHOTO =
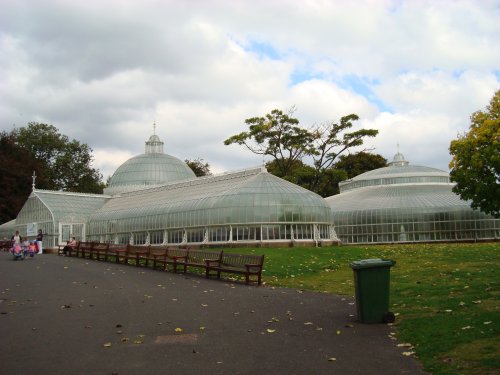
154,127
34,178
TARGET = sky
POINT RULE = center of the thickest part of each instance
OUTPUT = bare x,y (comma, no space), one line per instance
102,72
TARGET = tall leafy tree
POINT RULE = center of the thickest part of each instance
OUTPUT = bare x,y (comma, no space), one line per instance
475,166
277,134
333,139
16,168
280,136
199,167
66,163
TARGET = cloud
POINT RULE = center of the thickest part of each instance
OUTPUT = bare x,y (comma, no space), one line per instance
103,71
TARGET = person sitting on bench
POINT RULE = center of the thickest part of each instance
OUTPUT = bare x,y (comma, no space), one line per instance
70,246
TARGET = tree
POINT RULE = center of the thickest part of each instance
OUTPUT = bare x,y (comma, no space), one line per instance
66,164
199,167
277,135
475,167
360,162
332,140
16,169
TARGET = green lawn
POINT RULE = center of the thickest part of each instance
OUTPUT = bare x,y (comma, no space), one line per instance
445,296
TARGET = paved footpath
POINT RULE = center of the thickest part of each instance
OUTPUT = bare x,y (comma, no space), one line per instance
63,315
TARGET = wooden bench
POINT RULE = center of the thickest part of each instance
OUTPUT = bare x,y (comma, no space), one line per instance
135,253
247,265
177,257
100,251
116,251
85,249
5,245
203,259
158,256
76,249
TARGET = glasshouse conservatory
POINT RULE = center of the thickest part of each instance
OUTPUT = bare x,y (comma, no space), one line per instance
155,198
405,203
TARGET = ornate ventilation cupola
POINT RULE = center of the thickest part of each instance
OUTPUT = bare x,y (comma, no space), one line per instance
398,161
154,145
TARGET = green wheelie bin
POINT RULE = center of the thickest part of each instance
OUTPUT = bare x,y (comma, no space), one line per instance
371,282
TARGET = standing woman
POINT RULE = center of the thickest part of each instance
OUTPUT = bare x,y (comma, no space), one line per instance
39,239
16,239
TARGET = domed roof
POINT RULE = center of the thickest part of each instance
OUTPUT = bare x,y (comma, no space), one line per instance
147,170
427,198
399,171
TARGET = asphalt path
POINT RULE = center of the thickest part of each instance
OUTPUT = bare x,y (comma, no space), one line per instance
61,315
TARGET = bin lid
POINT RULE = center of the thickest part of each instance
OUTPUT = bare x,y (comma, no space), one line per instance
372,263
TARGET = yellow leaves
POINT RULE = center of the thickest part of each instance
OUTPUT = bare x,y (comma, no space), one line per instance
178,331
405,345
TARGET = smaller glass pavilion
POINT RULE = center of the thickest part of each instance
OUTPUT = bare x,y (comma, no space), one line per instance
405,203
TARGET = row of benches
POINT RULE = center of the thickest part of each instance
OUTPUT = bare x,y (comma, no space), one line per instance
211,261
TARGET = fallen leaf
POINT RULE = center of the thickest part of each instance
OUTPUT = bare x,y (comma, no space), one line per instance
405,345
271,330
178,330
107,345
408,353
331,359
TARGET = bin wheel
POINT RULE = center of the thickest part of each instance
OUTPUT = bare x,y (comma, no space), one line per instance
389,317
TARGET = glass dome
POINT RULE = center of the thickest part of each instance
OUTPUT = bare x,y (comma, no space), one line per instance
402,203
153,168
